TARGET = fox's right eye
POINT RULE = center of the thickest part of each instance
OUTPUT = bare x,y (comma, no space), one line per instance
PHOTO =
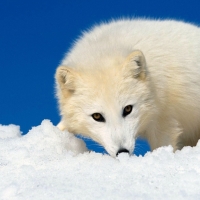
127,110
98,117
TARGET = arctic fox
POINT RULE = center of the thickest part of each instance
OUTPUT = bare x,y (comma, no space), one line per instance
130,78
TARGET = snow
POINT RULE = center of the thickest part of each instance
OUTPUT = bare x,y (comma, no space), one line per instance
49,164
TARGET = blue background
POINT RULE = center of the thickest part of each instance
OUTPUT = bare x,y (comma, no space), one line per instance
35,34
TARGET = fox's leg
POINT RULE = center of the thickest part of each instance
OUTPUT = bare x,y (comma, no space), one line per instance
164,133
61,125
186,139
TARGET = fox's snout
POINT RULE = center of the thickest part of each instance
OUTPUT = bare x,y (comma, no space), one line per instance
122,150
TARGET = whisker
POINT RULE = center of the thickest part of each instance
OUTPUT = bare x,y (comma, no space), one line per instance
141,147
92,145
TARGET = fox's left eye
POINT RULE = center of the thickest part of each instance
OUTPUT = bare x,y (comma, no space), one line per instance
98,117
127,110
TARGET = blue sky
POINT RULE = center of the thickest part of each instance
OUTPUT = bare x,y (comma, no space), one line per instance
34,35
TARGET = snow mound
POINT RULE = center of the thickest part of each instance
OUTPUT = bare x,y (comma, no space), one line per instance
49,164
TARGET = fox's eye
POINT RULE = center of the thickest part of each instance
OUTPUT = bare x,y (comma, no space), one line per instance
98,117
127,110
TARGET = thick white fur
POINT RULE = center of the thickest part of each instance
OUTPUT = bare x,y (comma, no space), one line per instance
151,64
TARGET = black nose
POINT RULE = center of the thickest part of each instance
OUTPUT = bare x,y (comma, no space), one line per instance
122,151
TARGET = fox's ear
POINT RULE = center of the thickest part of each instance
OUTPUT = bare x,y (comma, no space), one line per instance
65,77
135,65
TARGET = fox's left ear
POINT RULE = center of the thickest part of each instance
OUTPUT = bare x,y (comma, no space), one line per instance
135,65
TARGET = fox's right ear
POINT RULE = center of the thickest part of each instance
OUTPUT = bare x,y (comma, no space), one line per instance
65,77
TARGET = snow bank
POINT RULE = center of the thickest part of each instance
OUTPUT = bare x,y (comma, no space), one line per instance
49,164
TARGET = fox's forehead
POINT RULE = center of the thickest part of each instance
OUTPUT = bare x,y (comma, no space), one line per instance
108,86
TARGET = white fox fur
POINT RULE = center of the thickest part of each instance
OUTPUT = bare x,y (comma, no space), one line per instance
153,65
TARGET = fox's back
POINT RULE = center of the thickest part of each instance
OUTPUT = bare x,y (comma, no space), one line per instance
163,43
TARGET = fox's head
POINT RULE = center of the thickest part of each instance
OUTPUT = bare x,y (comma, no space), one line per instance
110,105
